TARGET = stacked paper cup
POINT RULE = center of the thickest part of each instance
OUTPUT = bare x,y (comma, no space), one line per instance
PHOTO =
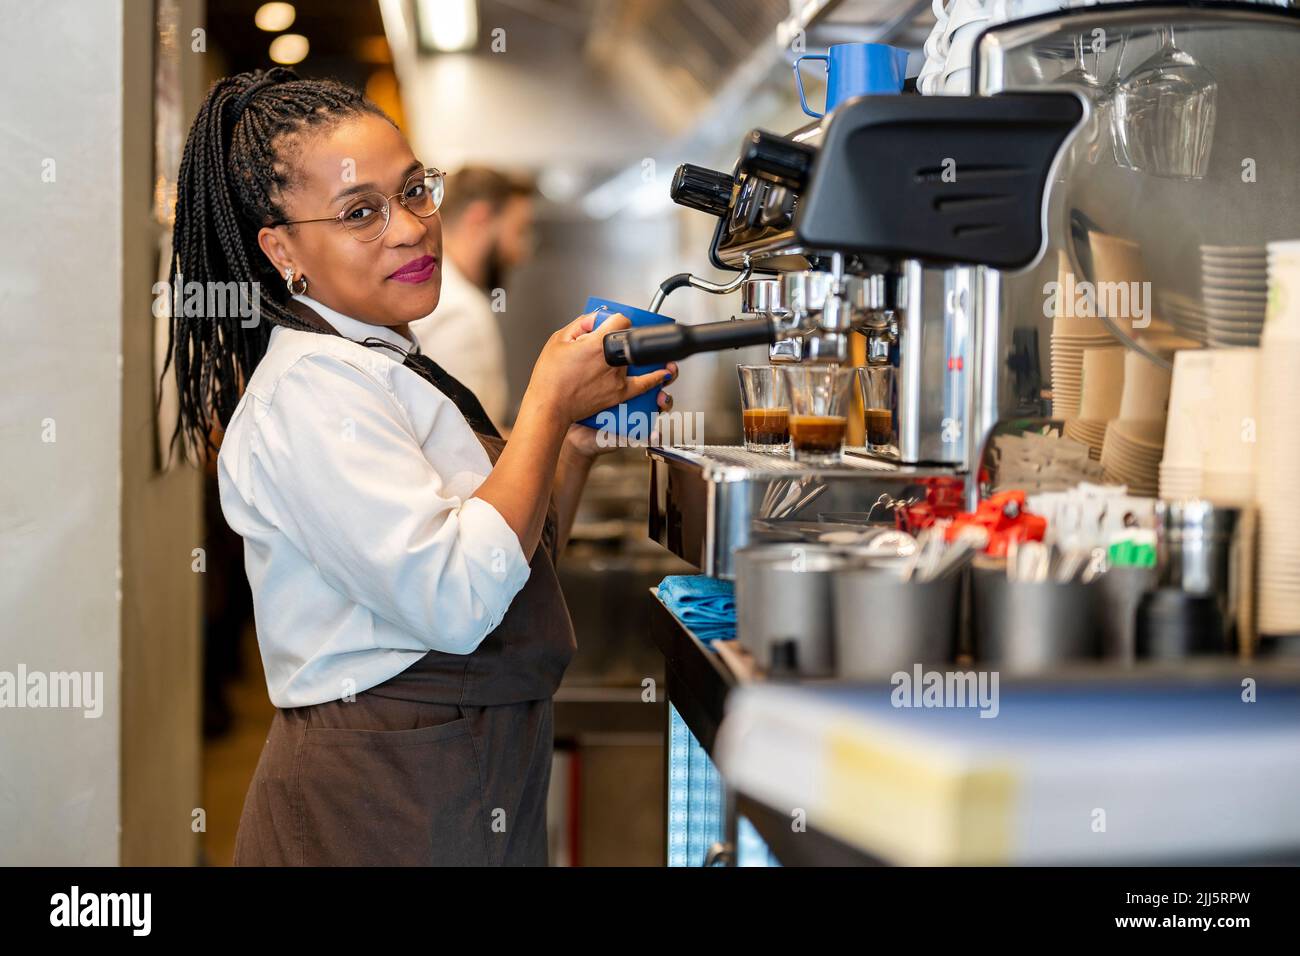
1103,389
1133,446
1228,455
1187,315
1189,404
1234,288
1072,334
1118,263
1278,455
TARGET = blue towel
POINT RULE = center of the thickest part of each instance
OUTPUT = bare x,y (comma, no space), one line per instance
706,605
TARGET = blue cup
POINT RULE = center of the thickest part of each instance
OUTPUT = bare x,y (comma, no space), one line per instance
856,69
636,416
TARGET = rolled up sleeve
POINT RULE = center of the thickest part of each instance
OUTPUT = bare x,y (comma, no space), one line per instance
336,467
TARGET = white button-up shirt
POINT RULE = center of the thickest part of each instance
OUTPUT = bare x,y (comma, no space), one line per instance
463,337
349,478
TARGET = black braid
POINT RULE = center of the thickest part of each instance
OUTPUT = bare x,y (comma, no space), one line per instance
235,168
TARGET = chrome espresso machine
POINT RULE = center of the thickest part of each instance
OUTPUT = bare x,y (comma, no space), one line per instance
932,225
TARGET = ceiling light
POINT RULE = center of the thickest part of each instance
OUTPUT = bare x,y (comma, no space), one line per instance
447,25
289,48
274,17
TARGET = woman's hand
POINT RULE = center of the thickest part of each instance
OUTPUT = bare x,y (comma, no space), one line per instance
570,381
585,440
571,378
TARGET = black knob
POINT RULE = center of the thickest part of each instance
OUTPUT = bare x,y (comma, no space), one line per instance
704,189
776,158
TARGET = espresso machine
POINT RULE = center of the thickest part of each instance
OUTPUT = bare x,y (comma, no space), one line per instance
850,225
933,225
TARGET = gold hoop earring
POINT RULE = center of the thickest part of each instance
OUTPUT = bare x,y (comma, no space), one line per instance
288,281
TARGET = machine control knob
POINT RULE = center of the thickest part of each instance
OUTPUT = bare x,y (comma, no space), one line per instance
707,190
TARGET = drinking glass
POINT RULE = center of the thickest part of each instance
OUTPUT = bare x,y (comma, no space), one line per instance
1164,114
819,398
764,408
876,385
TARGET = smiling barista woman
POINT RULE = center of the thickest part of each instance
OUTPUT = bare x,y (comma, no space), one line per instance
401,556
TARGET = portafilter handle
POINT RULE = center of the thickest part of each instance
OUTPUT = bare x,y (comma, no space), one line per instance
656,344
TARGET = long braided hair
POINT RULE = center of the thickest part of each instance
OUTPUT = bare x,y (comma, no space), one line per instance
233,174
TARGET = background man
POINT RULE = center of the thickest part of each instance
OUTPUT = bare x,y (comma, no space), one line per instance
487,228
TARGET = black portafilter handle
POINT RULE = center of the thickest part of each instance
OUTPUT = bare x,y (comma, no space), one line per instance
657,344
777,159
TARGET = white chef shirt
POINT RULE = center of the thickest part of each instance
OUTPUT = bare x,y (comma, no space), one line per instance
462,336
349,478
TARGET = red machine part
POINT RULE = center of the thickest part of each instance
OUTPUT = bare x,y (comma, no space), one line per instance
1004,518
944,496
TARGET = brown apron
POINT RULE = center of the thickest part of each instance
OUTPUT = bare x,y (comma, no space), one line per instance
446,764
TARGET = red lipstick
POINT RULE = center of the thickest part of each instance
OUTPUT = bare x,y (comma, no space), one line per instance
416,271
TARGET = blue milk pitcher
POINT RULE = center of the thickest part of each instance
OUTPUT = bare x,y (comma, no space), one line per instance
855,69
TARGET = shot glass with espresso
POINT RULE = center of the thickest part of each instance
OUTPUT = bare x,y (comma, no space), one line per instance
765,409
819,399
876,384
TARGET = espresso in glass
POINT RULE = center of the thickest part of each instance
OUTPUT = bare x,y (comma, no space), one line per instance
767,426
880,427
818,410
817,434
879,398
765,409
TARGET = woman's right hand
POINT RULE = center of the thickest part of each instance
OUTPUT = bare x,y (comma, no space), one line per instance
572,378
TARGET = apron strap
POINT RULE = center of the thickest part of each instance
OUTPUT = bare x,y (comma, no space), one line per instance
429,370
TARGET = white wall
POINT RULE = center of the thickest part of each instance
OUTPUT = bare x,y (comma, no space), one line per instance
94,543
60,295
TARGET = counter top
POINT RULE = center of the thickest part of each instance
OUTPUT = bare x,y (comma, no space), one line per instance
943,777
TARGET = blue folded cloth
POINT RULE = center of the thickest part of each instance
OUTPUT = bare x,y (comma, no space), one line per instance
706,605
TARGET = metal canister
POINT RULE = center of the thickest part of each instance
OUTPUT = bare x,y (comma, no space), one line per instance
1203,548
1033,626
884,624
784,610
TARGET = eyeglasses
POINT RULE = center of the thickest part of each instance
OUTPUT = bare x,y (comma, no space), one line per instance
366,215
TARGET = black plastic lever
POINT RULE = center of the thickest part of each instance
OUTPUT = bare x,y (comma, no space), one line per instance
656,344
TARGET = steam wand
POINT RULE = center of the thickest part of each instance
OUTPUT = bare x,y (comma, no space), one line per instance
683,279
655,344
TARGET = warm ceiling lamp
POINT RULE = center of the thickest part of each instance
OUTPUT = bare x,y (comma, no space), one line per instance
274,17
447,25
289,48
